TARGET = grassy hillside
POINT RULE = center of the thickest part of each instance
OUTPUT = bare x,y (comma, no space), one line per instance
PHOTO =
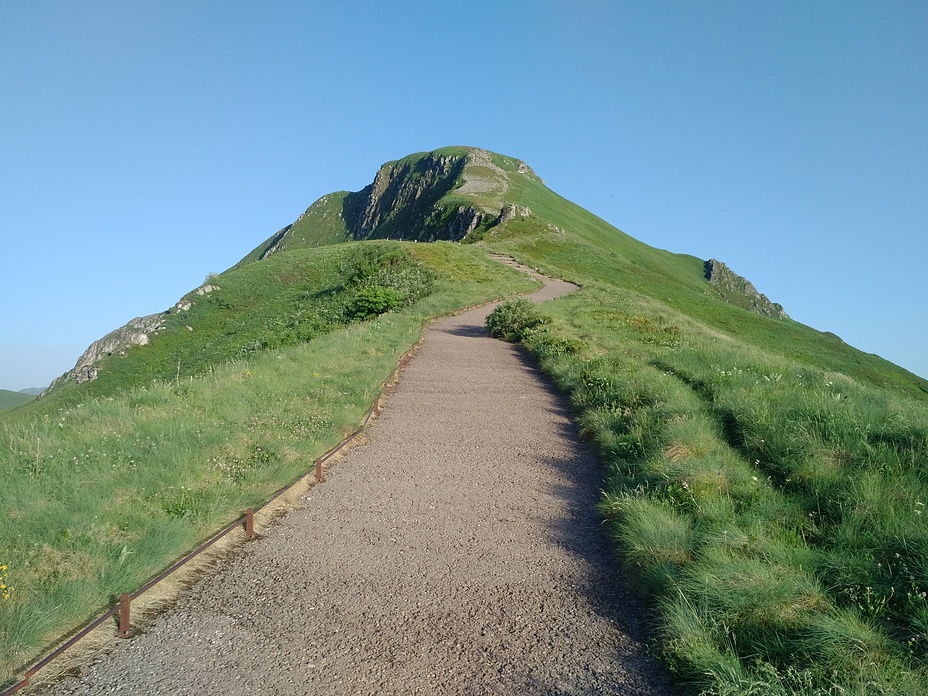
557,236
765,482
286,300
567,241
107,483
9,399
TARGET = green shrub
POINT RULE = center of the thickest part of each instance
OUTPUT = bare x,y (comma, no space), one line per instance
513,320
372,301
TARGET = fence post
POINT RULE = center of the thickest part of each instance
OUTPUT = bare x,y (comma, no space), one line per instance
249,523
125,609
319,470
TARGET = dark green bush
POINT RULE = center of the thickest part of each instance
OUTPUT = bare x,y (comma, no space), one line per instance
372,301
513,320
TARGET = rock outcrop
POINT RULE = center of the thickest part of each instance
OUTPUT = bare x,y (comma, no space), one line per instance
402,193
135,333
728,283
405,200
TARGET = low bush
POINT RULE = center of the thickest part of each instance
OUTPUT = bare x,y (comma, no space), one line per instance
514,320
372,301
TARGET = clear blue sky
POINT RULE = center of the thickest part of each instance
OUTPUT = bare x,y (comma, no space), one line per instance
146,144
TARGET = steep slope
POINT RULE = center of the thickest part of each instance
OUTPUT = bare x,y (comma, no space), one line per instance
447,194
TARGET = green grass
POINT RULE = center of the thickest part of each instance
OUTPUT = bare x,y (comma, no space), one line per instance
103,491
284,300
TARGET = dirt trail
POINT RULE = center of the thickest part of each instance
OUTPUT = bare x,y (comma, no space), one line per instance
457,552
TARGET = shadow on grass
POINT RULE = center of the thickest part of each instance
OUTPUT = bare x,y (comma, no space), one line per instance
606,586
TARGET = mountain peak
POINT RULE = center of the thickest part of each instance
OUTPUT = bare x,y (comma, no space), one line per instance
445,194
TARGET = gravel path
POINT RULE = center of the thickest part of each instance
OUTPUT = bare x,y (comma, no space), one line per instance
457,552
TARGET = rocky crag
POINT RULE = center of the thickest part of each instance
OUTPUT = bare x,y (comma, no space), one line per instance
137,332
737,290
443,195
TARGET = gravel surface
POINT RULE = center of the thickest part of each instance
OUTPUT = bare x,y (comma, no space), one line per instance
457,552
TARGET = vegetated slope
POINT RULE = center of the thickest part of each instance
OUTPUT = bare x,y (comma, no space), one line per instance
286,300
9,399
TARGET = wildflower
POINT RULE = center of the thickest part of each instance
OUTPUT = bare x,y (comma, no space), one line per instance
5,590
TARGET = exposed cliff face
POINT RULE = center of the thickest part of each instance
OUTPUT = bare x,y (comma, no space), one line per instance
731,285
435,196
442,195
403,195
404,201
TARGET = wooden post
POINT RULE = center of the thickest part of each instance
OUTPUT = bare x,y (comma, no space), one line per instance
249,523
125,610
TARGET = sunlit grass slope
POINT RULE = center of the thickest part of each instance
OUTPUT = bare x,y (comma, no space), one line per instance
570,242
102,491
284,300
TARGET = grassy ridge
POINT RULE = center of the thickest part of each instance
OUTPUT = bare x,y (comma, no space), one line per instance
570,242
284,300
102,492
766,482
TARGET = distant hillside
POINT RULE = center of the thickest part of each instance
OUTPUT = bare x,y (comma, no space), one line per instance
8,399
